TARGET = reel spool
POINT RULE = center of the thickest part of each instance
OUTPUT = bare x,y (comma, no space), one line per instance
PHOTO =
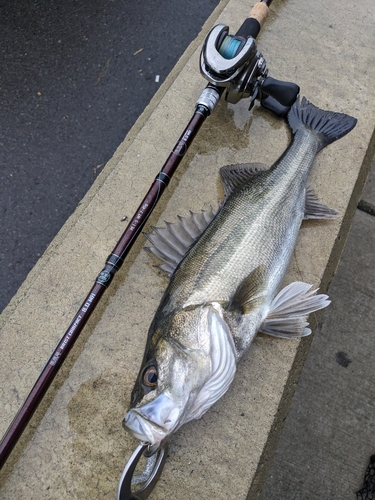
230,46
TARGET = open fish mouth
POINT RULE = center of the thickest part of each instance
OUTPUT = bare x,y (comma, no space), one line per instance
154,421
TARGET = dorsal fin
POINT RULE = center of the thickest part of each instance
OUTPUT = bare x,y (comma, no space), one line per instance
171,243
235,176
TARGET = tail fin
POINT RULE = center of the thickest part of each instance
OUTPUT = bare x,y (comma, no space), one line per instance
329,126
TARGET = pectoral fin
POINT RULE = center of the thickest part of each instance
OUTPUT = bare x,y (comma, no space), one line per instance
250,292
288,313
316,210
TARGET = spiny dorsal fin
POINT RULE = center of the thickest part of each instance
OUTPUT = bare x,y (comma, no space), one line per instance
316,210
287,317
235,176
171,243
249,292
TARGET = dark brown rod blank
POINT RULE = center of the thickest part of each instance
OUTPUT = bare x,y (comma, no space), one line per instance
113,263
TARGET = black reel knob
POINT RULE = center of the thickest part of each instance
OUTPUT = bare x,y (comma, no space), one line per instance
284,92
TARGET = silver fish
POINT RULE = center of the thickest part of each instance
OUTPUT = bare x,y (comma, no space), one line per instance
226,269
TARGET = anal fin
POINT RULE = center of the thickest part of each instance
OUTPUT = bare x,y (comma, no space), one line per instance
287,317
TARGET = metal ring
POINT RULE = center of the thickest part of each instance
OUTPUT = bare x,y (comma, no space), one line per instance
125,486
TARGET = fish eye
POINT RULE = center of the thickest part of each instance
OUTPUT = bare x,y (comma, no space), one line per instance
150,376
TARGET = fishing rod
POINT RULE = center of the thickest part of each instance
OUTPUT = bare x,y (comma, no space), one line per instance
232,65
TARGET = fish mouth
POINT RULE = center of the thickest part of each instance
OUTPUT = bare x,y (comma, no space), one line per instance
154,421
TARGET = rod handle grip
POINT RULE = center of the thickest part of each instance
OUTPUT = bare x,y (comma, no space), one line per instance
259,12
253,24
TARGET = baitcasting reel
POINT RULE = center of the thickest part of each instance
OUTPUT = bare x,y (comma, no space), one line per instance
233,63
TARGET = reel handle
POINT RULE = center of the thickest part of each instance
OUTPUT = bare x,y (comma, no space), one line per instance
284,92
268,102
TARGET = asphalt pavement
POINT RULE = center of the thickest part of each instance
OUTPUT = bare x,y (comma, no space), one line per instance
74,78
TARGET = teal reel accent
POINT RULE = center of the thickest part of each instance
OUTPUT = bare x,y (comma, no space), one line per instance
230,46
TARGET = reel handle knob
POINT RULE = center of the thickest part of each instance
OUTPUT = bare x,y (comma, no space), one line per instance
268,102
284,92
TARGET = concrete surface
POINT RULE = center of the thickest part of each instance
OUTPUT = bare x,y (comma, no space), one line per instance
329,434
75,446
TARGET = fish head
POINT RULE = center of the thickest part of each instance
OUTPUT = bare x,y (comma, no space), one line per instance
173,384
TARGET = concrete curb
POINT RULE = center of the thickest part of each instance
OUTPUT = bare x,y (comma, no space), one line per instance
74,445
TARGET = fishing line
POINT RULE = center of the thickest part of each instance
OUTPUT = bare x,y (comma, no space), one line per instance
230,46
